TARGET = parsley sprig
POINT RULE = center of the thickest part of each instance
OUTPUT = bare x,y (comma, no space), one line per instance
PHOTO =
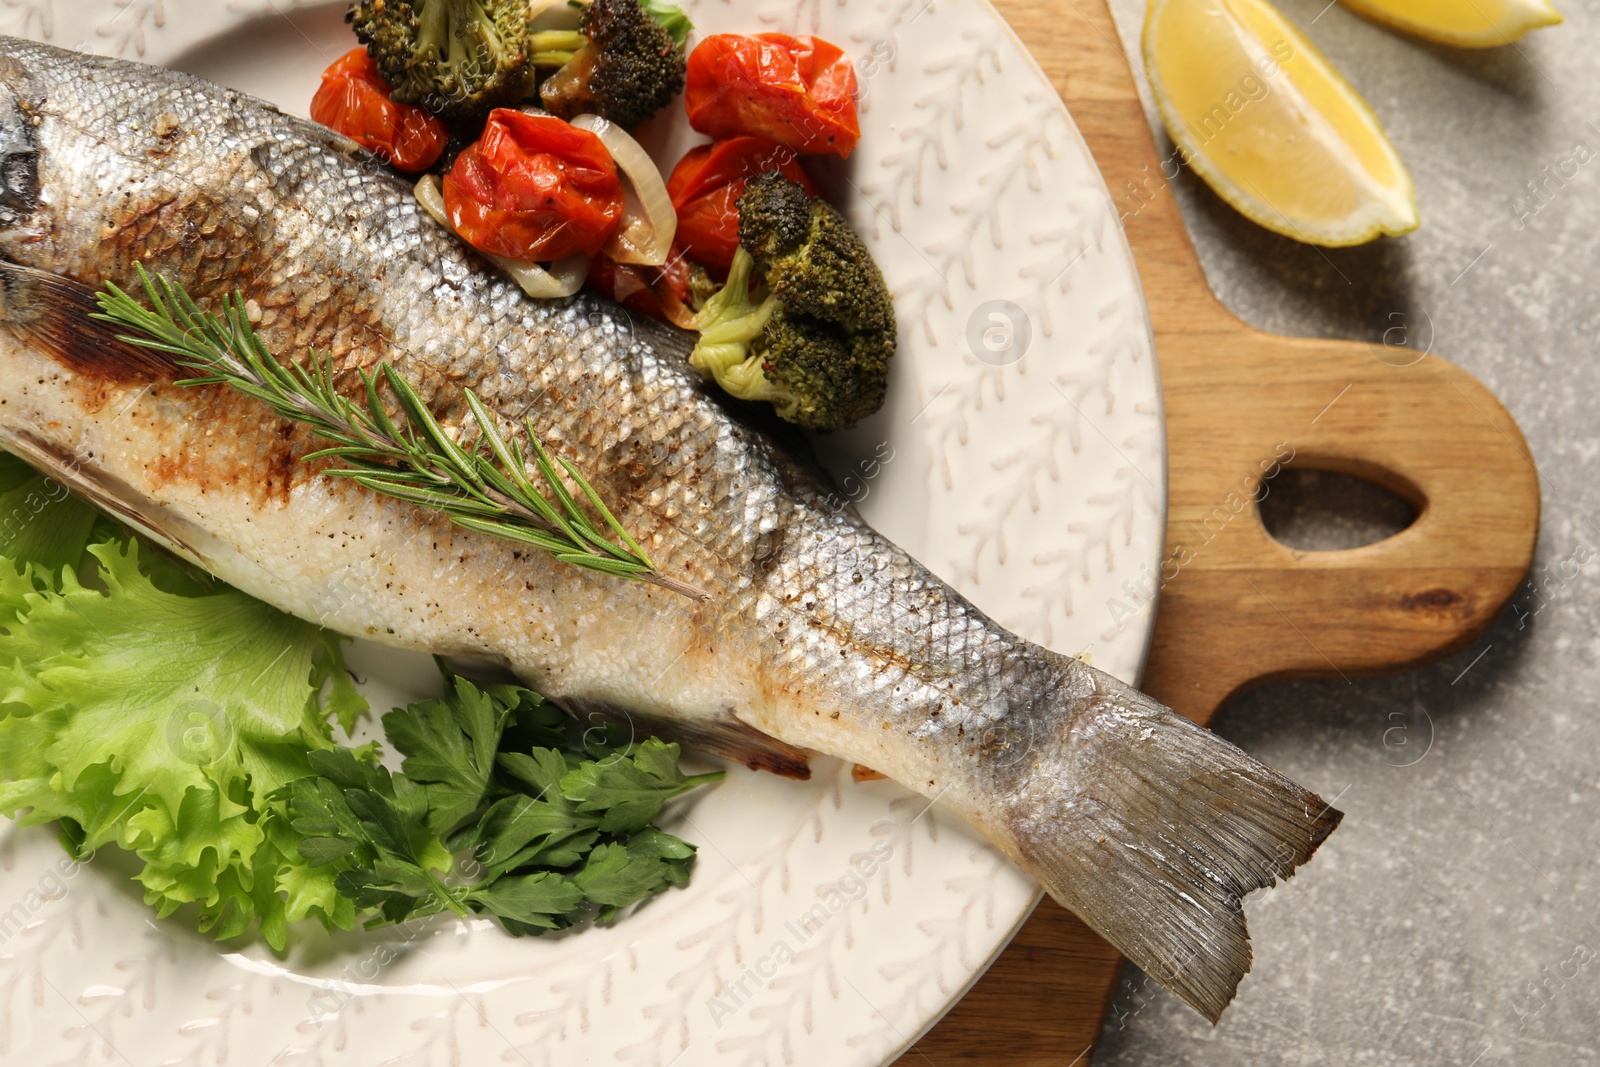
557,829
489,486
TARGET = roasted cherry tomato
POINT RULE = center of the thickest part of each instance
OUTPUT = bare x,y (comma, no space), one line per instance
354,100
797,91
705,188
659,292
534,188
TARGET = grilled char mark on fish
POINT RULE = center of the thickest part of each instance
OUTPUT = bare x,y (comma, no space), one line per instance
818,635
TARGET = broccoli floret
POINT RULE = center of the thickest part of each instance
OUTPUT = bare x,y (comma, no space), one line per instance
815,337
624,66
456,58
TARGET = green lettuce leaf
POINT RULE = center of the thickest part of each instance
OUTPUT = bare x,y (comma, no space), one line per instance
145,705
158,712
39,521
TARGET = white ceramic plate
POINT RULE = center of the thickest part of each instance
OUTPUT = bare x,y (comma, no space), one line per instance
1020,455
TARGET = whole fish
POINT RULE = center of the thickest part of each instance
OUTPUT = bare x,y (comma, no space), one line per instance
818,635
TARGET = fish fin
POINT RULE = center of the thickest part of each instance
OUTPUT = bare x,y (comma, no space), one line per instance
716,735
1161,831
53,313
110,495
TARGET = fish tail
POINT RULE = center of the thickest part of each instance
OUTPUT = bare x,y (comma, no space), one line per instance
1152,830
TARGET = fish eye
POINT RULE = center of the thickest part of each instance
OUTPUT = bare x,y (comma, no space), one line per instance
20,101
19,180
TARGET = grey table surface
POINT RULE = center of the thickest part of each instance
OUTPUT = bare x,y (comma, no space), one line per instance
1453,919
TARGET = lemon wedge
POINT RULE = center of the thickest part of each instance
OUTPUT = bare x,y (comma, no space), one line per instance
1270,125
1464,23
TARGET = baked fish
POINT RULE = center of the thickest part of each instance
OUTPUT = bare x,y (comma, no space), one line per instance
817,636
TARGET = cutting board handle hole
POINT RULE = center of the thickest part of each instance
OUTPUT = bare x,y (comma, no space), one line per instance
1326,511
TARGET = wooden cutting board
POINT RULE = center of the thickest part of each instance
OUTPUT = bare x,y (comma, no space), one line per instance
1237,608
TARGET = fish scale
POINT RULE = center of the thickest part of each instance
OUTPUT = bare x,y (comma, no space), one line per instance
816,635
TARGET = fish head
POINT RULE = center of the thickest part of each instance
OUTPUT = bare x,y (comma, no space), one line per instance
69,149
21,202
48,149
102,161
26,296
71,167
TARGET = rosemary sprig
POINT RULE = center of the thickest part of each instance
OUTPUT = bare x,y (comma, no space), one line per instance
488,486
